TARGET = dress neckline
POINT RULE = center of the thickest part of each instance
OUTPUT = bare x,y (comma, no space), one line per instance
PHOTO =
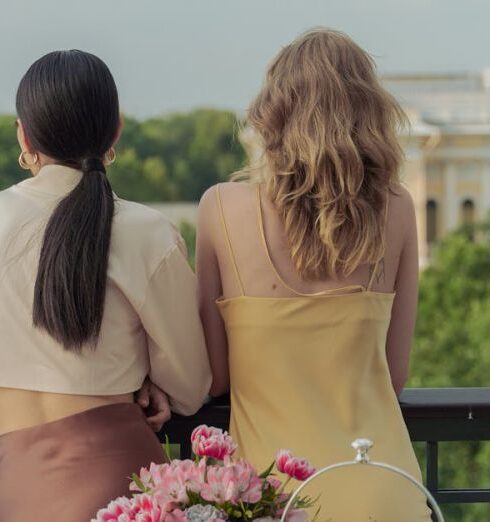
309,297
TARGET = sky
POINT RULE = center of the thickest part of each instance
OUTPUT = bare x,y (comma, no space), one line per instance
175,55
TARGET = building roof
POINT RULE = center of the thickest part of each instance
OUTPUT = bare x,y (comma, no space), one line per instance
454,103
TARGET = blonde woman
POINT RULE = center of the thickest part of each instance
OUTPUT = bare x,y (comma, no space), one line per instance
313,266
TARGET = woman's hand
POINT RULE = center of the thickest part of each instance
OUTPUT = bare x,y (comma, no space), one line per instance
155,404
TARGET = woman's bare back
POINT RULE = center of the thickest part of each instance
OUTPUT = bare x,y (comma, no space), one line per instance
234,258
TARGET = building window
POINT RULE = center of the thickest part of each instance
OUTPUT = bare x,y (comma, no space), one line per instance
467,212
431,217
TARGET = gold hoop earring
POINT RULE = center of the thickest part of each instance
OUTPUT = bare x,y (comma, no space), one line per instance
110,156
24,164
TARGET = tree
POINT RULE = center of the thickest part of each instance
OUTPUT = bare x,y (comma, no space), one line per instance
453,324
170,158
452,348
199,148
10,172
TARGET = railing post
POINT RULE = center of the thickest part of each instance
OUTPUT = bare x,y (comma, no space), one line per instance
432,468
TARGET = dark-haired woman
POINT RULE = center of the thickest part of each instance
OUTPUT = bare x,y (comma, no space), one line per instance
95,295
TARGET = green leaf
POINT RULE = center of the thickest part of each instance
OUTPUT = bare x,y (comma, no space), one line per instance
268,471
136,479
166,447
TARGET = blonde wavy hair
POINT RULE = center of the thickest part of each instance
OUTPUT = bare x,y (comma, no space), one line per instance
328,133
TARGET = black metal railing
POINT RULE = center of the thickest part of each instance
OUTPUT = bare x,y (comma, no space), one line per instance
433,415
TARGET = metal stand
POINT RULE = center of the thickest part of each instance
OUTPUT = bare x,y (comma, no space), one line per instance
362,447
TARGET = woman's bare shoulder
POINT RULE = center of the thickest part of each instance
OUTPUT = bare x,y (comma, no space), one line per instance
232,194
401,212
401,202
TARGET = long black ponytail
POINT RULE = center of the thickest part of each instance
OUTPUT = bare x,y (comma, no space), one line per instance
68,105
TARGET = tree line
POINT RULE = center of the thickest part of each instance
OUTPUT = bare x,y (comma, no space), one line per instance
452,349
169,158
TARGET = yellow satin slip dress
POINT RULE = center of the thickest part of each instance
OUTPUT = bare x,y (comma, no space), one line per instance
309,373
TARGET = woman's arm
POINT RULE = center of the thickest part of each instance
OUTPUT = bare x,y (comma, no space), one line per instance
209,289
404,311
179,363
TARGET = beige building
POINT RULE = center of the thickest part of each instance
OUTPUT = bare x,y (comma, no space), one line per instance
447,167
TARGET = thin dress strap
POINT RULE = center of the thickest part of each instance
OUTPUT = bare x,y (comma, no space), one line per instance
228,240
274,269
375,270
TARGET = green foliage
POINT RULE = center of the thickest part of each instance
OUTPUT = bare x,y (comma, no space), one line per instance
452,340
452,348
176,157
172,158
188,232
10,172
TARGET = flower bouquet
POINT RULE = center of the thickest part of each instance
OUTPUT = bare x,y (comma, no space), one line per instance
213,487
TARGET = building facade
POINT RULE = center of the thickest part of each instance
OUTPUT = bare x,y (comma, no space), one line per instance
447,168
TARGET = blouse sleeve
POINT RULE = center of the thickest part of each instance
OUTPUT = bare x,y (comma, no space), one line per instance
179,362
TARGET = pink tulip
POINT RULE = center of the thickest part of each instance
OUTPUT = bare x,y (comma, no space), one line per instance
205,432
164,490
212,442
274,482
151,477
191,474
171,482
114,511
179,478
146,509
221,486
282,458
235,482
299,469
297,515
247,475
141,508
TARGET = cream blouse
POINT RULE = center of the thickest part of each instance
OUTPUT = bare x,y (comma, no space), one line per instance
151,324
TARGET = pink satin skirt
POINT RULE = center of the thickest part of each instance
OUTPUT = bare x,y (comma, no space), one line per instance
66,470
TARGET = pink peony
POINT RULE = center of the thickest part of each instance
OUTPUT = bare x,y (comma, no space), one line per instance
212,442
299,469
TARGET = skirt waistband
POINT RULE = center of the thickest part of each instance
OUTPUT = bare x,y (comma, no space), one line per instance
99,419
